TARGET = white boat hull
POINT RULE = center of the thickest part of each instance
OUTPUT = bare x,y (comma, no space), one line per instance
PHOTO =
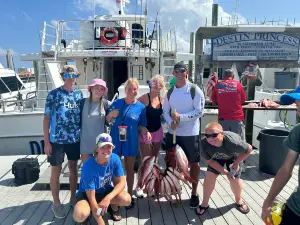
18,130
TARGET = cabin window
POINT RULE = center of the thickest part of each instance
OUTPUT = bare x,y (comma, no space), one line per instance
11,82
137,32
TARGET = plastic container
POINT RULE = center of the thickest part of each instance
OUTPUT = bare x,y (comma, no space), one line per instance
272,151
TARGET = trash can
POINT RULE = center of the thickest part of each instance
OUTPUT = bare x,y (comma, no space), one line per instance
272,151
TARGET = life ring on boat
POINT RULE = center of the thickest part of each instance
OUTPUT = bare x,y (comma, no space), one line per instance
109,30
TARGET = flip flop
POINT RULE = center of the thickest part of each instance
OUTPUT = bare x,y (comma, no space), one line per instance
114,214
240,207
201,208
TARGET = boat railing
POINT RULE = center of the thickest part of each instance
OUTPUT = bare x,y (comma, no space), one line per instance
49,38
169,43
21,104
79,36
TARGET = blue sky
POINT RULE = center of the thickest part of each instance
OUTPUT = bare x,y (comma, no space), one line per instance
21,20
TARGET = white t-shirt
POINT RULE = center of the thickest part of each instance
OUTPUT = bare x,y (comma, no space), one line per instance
190,110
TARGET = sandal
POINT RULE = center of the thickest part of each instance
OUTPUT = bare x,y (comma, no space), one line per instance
114,214
201,208
240,207
131,204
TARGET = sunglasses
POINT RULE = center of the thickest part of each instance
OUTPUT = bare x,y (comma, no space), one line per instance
211,135
70,75
180,70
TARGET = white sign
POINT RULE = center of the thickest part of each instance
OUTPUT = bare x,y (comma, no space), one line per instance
255,46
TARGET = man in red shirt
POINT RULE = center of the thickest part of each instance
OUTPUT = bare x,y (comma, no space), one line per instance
229,95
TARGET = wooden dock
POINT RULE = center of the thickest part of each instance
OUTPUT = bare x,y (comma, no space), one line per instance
31,204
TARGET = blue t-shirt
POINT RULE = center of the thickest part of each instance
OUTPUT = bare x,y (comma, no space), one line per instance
97,177
63,108
134,115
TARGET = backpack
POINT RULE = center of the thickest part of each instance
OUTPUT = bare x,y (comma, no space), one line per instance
26,170
192,91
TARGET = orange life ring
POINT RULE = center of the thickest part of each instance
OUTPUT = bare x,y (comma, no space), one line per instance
107,41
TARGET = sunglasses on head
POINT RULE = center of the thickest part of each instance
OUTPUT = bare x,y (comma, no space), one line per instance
211,135
180,70
70,75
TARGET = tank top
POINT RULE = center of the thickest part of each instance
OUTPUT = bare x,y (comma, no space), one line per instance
153,116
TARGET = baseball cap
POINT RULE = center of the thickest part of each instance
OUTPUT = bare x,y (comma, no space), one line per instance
104,139
290,98
180,65
69,69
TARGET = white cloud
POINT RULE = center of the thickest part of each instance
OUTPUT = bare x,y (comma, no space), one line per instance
3,52
109,5
27,16
187,15
54,23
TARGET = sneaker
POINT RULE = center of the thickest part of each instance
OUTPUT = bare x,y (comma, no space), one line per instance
194,201
243,166
59,211
139,193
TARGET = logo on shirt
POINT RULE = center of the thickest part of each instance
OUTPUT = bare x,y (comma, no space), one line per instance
70,106
220,155
227,87
105,180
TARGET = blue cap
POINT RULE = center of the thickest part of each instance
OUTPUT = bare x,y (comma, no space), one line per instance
288,99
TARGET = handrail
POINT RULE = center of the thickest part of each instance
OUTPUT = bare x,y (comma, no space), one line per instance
3,103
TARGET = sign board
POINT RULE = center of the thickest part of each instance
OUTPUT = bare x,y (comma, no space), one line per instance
255,46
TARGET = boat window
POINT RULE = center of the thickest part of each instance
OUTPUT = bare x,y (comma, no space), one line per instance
137,31
11,82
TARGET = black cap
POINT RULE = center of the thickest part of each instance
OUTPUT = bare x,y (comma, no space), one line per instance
179,65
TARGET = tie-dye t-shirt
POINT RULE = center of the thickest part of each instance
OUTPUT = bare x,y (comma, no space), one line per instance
63,108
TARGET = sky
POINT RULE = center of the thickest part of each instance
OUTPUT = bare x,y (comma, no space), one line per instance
21,20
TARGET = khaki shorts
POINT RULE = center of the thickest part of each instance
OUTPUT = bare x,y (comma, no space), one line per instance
235,126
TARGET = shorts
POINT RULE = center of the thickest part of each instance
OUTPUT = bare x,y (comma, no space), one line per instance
59,151
187,143
288,216
157,137
222,163
235,126
99,196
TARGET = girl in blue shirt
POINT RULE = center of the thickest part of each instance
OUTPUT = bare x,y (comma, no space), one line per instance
96,192
130,119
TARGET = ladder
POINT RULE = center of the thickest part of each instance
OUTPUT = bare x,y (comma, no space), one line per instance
44,84
168,62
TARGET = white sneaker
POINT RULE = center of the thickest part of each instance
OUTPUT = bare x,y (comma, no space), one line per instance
243,167
139,193
59,211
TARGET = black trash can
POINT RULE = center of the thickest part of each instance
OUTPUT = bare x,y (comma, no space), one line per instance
272,151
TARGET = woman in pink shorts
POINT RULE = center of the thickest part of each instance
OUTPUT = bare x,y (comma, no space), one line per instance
153,103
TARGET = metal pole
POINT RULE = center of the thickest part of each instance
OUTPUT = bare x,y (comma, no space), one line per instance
191,61
199,59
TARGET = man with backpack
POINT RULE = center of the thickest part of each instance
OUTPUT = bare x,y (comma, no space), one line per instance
182,108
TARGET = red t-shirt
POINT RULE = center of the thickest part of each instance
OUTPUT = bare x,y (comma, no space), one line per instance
229,95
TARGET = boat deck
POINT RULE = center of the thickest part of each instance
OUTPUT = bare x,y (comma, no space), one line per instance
31,204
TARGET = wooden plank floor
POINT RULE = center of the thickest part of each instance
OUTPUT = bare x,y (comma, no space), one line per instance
31,204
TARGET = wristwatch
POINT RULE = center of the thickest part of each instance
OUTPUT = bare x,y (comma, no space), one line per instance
99,210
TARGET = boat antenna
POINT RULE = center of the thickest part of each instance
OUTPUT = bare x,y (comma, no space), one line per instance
94,5
122,4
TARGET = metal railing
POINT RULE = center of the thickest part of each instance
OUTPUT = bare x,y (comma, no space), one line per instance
229,21
169,42
67,36
20,103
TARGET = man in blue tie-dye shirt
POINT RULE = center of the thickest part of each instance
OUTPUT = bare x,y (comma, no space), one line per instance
62,133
